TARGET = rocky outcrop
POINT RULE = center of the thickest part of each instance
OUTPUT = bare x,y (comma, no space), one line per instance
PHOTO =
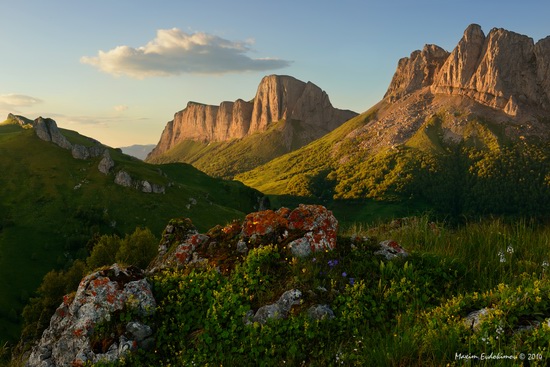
416,72
69,340
47,130
123,178
22,121
306,229
106,163
278,97
503,70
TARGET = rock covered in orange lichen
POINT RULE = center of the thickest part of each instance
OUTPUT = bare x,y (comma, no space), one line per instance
67,341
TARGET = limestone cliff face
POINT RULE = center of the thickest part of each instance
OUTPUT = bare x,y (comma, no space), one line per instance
416,72
503,70
278,97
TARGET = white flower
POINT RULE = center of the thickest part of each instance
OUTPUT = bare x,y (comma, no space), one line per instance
510,249
501,256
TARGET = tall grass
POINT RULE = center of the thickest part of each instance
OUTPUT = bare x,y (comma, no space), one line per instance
493,250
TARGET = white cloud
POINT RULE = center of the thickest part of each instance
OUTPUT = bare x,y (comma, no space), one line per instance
175,52
17,100
120,108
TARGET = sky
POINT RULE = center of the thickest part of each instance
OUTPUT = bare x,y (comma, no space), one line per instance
118,70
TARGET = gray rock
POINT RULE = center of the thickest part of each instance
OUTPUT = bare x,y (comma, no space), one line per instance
80,152
391,250
47,130
158,189
123,178
279,309
99,296
146,187
106,163
138,331
320,312
300,247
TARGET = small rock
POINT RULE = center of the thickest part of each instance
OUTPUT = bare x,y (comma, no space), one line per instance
474,319
391,249
320,312
279,309
138,331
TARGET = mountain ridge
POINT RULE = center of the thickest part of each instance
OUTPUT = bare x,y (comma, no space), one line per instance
278,98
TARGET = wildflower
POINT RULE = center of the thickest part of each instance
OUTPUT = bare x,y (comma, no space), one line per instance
344,274
351,281
314,260
332,263
501,256
545,264
510,249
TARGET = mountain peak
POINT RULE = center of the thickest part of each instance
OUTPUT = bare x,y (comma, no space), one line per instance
504,70
278,97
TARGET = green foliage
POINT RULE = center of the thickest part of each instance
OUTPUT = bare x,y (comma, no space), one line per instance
56,284
104,251
138,249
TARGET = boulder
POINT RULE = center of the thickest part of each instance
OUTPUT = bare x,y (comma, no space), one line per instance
123,178
312,228
279,309
106,163
320,312
47,130
100,295
80,152
391,250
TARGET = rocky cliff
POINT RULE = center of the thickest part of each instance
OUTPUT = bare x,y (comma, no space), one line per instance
278,97
503,70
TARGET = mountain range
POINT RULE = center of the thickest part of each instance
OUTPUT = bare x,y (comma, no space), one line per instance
452,128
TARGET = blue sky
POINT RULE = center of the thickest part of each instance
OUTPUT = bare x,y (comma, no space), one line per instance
118,70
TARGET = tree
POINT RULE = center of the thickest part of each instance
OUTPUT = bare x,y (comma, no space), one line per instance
138,249
104,252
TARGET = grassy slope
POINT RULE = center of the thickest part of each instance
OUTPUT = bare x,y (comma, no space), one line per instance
273,177
42,212
227,159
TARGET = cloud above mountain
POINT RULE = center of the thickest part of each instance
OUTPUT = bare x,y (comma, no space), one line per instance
17,100
174,52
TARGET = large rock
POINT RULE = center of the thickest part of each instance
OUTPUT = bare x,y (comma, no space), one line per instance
68,341
106,163
309,228
278,97
47,130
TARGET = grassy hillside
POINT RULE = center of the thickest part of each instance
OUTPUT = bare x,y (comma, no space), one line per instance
485,172
229,158
51,204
